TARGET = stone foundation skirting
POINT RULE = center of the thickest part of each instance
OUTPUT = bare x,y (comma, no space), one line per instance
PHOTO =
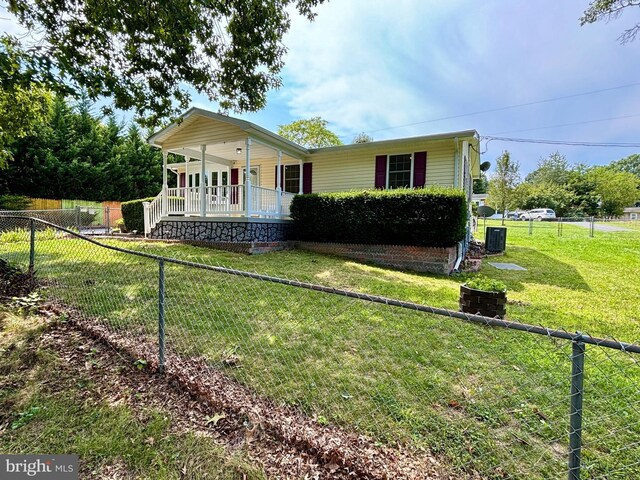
248,232
418,259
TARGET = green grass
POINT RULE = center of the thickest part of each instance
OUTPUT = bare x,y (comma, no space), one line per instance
48,407
483,399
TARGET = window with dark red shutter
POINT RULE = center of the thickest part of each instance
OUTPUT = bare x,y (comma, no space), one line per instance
307,172
381,172
419,169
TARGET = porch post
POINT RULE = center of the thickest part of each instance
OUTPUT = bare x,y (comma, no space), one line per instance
203,190
300,187
247,185
165,186
186,183
278,183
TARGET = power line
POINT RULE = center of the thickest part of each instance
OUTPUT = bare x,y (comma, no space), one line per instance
508,107
570,124
561,142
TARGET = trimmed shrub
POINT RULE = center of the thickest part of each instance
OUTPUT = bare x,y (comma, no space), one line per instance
14,202
133,214
429,217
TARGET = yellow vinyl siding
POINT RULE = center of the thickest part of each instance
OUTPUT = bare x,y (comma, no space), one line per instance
340,169
202,131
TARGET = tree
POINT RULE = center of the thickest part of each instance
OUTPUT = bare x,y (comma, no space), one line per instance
616,190
528,196
312,133
362,138
554,169
607,10
144,54
24,101
480,185
629,164
585,199
72,154
503,182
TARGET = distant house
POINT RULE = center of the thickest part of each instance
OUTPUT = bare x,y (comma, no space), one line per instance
217,200
631,213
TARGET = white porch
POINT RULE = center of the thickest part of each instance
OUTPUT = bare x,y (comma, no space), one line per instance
229,169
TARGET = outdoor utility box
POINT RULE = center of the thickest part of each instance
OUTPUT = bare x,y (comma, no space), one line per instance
495,239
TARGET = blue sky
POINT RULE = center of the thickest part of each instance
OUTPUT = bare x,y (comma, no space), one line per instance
379,65
370,65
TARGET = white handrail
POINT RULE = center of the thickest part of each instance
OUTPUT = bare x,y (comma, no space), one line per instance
225,199
152,213
264,201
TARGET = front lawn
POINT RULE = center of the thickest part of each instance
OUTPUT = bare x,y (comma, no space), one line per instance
483,399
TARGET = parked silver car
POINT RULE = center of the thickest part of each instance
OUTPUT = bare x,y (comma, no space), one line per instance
538,214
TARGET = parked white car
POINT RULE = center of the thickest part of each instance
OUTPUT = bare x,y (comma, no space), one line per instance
538,214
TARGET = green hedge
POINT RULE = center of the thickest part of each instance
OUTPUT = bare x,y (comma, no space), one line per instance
133,214
14,202
431,217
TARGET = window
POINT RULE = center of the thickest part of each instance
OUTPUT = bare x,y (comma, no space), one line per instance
399,171
634,216
292,178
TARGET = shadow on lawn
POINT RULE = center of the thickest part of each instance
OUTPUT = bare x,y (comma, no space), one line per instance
541,269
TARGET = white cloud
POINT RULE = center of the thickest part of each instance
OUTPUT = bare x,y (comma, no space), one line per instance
370,64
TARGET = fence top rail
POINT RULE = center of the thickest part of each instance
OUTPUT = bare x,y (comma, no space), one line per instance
488,321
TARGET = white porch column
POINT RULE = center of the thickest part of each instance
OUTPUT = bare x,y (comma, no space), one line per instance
278,183
300,187
247,186
203,189
165,185
186,183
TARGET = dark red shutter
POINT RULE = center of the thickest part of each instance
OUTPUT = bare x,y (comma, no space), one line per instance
307,171
381,172
419,169
183,179
234,181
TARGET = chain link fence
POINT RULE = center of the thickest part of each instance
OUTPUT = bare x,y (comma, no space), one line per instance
84,219
574,226
468,396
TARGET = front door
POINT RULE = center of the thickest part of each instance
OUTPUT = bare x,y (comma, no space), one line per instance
255,176
256,198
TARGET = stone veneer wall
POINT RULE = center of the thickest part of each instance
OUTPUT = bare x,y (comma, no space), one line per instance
419,259
231,232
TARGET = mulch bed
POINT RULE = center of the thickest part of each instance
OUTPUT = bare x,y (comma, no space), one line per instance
284,441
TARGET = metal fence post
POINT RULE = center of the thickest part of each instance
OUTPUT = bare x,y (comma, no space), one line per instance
560,227
161,305
32,247
530,225
575,414
78,217
108,218
591,227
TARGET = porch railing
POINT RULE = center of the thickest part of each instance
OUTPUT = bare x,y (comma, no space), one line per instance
285,204
219,200
152,213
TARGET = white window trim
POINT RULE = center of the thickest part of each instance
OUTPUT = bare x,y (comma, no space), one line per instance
284,172
411,155
633,216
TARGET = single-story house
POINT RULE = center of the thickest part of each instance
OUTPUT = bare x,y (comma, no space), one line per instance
217,200
631,213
